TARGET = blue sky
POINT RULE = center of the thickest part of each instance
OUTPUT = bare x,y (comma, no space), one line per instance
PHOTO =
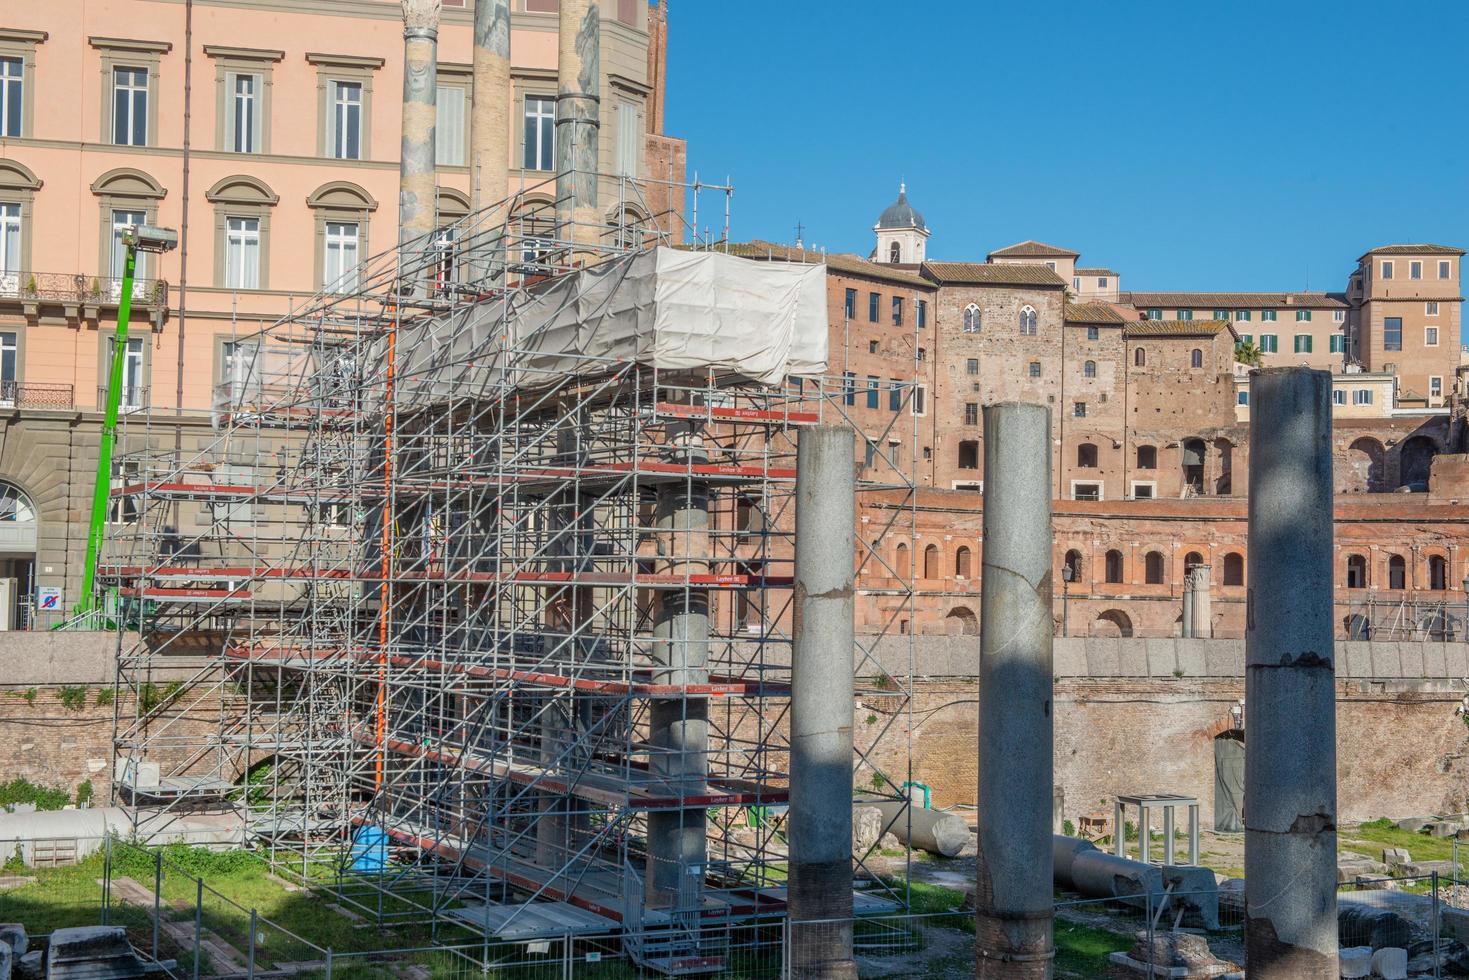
1235,145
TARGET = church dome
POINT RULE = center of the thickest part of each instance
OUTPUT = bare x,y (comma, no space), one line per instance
901,214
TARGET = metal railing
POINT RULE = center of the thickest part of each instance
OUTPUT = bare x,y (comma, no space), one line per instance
24,394
134,399
66,287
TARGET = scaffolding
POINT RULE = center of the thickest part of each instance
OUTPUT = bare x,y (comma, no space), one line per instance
476,636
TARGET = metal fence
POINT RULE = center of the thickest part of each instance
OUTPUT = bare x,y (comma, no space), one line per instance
172,902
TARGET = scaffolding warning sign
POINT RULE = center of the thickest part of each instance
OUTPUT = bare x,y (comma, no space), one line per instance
48,598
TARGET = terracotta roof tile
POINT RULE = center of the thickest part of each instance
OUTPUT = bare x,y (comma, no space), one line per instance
1095,272
1175,328
1424,249
1031,247
1094,313
992,274
1234,301
835,261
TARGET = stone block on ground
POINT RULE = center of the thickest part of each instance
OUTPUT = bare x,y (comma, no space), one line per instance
28,967
866,828
1413,824
1178,954
1390,963
1445,828
1393,856
13,934
1356,962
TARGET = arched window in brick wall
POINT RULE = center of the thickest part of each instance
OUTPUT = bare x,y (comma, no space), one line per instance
1086,456
1356,572
961,562
1114,566
1073,565
900,560
971,319
1153,568
1438,573
1147,457
1234,568
1140,357
1397,572
1027,321
1089,369
1195,358
931,562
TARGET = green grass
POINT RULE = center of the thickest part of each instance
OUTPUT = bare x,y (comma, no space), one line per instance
1371,837
1082,951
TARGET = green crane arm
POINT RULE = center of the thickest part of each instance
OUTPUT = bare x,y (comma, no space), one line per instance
103,488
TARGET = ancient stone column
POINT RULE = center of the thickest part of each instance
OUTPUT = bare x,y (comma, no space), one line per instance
1290,682
820,828
1013,893
416,183
578,119
489,112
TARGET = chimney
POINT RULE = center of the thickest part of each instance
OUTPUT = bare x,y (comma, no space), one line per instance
489,114
578,119
657,65
417,187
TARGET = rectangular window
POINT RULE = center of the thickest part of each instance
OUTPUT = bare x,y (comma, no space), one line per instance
1392,333
1242,315
1415,270
242,253
9,246
1338,343
122,220
1093,333
130,106
872,301
1185,314
849,388
629,140
132,394
1246,338
1086,491
340,263
347,120
1221,314
1430,309
1142,491
8,365
1303,343
1362,396
1035,369
873,388
1387,270
1268,315
897,311
540,132
971,366
895,394
1430,336
1435,387
449,127
244,110
1079,410
920,407
1268,343
1444,268
971,413
1076,283
922,354
1338,396
1242,397
1153,313
851,304
1338,316
1101,282
12,81
922,313
1303,316
872,347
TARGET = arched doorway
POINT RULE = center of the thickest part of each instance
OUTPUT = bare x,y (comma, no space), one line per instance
1193,465
1113,622
1415,461
1224,485
962,621
1229,781
17,555
1365,471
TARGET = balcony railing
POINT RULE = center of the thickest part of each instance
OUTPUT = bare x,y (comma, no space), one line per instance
64,287
23,394
134,399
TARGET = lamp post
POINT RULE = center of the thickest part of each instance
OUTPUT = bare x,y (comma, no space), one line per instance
1067,574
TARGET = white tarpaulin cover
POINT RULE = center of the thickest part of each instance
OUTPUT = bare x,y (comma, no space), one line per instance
666,308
